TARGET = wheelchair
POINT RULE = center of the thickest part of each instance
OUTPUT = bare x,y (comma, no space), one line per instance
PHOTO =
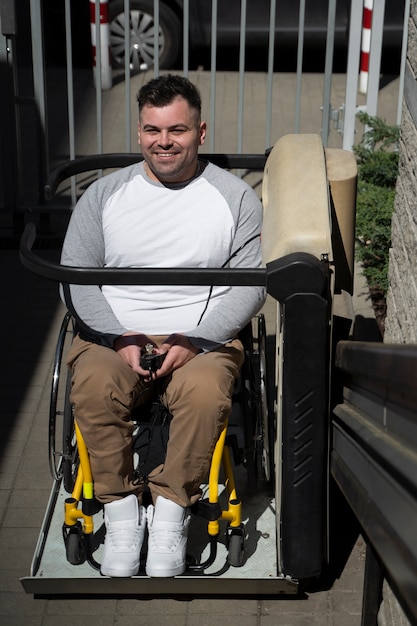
243,438
273,496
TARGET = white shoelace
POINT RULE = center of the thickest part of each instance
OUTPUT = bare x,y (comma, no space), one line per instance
123,539
166,536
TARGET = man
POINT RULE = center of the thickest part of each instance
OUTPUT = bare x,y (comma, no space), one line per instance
171,210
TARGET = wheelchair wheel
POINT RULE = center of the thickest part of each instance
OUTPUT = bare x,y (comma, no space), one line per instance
70,459
74,546
62,449
264,426
236,548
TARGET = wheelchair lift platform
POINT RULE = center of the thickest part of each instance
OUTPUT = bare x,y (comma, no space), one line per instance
307,242
51,574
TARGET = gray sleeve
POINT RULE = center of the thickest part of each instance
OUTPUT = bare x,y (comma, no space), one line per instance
240,304
84,247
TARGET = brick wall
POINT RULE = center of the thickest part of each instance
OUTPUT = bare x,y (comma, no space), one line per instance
401,322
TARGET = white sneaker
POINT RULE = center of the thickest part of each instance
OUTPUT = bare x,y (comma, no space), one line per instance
125,524
168,529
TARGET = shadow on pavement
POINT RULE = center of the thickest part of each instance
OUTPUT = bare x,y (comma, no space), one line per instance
29,306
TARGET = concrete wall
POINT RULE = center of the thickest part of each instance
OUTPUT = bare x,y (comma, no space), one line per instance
401,322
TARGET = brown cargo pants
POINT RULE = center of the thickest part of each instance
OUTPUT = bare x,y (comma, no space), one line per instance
198,395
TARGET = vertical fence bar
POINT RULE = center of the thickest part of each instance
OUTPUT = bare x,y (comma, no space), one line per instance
40,92
372,587
299,75
241,76
126,25
70,94
352,74
9,148
156,38
403,61
99,98
375,57
328,68
271,49
213,69
186,38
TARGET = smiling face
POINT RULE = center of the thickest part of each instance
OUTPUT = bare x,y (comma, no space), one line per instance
169,137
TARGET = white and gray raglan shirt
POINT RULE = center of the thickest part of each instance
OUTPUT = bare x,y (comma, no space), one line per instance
125,219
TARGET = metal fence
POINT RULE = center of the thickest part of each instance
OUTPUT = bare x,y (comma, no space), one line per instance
245,110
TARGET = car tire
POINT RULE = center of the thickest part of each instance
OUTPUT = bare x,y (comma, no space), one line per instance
142,29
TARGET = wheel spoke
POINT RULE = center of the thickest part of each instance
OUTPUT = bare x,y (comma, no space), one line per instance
117,28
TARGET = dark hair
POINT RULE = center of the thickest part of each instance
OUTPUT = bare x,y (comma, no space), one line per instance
164,89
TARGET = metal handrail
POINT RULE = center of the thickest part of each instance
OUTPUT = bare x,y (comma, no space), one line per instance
254,162
133,276
374,462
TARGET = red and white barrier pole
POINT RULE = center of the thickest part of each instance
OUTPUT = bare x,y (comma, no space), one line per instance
105,56
368,6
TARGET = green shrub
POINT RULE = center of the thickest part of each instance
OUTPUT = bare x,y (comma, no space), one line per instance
373,232
377,157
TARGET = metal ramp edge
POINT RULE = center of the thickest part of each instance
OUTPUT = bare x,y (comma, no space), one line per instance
52,575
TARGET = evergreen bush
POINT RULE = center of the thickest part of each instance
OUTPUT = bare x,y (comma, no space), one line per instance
377,158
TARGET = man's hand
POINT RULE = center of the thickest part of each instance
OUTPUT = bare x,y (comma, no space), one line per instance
129,347
179,351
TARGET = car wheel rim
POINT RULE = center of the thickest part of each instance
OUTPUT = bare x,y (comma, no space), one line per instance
141,43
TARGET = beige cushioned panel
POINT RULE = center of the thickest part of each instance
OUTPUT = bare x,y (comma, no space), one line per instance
295,197
342,172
